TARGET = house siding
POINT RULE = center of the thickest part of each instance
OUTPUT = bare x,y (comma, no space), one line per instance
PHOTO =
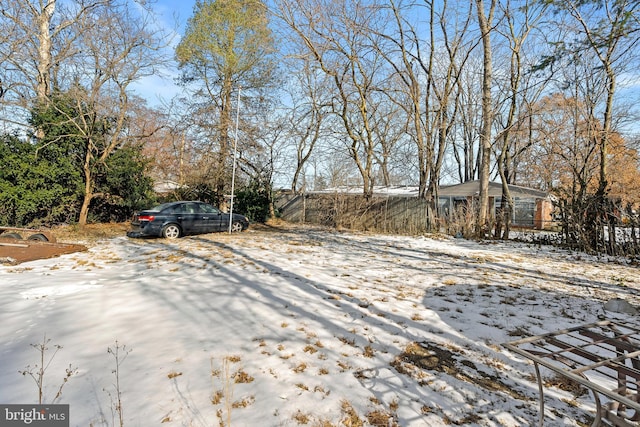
404,214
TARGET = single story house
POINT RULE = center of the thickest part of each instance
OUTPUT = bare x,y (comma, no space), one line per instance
396,206
532,208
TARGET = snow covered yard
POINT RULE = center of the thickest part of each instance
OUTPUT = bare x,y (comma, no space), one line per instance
299,326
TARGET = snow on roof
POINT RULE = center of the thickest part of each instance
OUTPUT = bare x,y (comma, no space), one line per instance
472,188
466,189
394,190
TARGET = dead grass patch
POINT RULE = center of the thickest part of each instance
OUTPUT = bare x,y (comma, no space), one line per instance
300,368
351,417
301,417
310,349
349,341
382,419
420,357
368,351
247,401
566,384
344,366
241,377
217,396
518,332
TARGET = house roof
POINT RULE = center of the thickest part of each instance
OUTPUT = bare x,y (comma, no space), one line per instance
472,188
466,189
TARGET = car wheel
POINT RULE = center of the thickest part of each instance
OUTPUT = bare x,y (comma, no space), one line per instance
171,231
39,237
11,236
236,226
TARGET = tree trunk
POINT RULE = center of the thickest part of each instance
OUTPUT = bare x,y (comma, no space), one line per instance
43,79
487,116
88,190
223,137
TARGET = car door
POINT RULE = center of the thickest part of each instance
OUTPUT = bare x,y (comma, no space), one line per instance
215,218
188,216
209,218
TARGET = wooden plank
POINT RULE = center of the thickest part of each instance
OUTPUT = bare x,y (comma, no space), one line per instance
16,245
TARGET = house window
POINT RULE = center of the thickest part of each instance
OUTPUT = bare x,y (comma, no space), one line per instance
524,211
449,206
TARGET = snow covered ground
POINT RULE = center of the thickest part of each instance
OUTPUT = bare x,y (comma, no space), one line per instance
298,326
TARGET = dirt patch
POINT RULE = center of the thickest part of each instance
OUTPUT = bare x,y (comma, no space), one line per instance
62,240
15,251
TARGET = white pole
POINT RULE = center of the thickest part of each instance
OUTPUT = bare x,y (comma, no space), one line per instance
233,173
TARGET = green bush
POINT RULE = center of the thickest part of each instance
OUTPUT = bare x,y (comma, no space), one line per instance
42,179
35,189
125,186
253,202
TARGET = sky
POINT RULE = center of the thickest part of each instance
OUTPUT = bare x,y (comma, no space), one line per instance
295,325
173,15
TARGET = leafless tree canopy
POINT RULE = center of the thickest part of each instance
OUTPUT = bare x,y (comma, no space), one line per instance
359,94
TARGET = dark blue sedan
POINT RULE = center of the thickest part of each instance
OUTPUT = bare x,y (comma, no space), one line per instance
177,219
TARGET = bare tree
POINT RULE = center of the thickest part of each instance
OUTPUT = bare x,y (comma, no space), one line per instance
307,117
485,22
518,95
110,62
607,33
611,31
334,33
390,131
430,69
465,148
37,41
65,53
